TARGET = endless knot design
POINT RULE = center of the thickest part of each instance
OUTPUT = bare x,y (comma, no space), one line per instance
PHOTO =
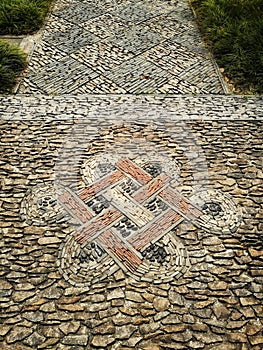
126,212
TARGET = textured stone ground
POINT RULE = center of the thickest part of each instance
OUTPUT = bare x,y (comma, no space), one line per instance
129,221
121,47
56,294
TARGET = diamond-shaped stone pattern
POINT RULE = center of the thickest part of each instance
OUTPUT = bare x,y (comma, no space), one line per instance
121,47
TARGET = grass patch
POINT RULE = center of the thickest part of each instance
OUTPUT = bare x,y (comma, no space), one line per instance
22,16
12,62
234,29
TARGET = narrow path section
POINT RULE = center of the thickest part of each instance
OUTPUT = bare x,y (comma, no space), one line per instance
120,47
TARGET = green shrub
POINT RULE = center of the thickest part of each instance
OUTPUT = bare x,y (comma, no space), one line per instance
234,31
12,62
22,16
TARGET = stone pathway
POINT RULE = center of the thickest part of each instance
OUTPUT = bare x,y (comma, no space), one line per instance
194,284
119,47
129,221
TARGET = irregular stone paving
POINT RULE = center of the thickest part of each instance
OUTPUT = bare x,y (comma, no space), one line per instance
119,47
59,294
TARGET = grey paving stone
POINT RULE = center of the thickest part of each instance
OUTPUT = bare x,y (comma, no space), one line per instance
110,38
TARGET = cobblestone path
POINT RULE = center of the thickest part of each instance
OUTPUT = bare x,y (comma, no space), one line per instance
121,46
131,222
131,189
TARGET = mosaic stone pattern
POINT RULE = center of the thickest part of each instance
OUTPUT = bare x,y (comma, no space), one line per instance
124,214
129,222
134,47
122,209
58,293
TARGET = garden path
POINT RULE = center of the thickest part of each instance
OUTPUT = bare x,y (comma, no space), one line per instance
121,46
131,189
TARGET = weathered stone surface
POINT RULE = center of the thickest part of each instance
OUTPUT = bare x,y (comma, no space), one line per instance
70,327
253,328
235,324
246,301
5,284
208,339
256,340
102,340
21,296
52,293
130,311
36,316
18,333
224,345
194,344
115,294
105,328
75,340
51,332
147,312
24,286
49,342
120,319
161,304
34,340
236,337
4,330
220,310
175,328
182,337
48,240
202,304
175,298
149,328
170,320
255,252
134,296
48,307
133,341
217,285
119,275
125,332
71,307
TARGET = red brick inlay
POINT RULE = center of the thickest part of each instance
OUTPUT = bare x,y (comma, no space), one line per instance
75,206
125,250
114,245
179,204
134,171
101,222
151,188
100,185
155,230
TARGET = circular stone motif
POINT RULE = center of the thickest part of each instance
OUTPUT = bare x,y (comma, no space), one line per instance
221,213
100,165
40,206
165,260
83,265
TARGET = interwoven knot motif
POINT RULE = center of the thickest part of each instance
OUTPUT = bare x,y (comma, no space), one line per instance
126,212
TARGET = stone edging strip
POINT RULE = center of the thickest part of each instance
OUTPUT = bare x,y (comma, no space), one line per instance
181,107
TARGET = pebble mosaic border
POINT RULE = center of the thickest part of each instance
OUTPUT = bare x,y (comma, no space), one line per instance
154,107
